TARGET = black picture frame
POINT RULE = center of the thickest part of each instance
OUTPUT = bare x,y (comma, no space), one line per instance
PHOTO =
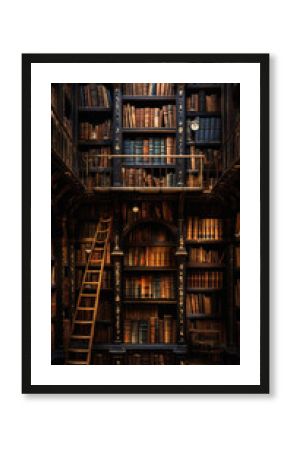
263,61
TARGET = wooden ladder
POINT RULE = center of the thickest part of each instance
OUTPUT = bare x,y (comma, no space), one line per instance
83,325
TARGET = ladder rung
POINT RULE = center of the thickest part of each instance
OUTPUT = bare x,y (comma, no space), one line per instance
78,350
94,271
96,261
75,336
88,295
85,308
84,322
106,220
76,362
90,282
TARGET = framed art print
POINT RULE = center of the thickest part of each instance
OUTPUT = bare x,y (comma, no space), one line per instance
145,219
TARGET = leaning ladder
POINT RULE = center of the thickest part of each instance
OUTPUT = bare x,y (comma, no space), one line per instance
83,325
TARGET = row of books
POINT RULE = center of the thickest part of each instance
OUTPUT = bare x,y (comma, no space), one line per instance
95,95
150,358
95,132
133,177
84,250
202,304
142,148
149,257
205,280
206,333
147,210
201,255
61,143
96,158
97,180
148,233
209,130
163,117
204,229
150,287
152,331
203,102
148,89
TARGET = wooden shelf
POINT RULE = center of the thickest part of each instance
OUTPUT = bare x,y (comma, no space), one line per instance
149,302
203,317
94,109
208,144
83,265
91,143
100,170
149,130
197,290
122,348
151,244
203,114
207,86
148,166
204,242
149,98
205,266
148,269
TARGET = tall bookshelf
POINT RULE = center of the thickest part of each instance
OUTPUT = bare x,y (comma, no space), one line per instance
152,156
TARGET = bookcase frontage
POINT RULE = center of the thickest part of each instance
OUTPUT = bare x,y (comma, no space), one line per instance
145,224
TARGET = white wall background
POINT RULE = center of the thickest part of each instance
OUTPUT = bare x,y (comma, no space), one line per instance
127,422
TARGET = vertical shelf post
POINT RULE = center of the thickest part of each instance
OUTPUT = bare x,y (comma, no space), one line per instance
181,255
180,134
117,134
117,257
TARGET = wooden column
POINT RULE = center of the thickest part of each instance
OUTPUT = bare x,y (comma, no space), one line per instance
180,135
181,255
117,136
117,257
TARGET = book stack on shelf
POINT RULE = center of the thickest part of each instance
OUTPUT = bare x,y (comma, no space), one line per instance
150,89
205,281
95,134
149,298
146,210
94,95
204,133
91,131
160,117
96,167
144,327
61,123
